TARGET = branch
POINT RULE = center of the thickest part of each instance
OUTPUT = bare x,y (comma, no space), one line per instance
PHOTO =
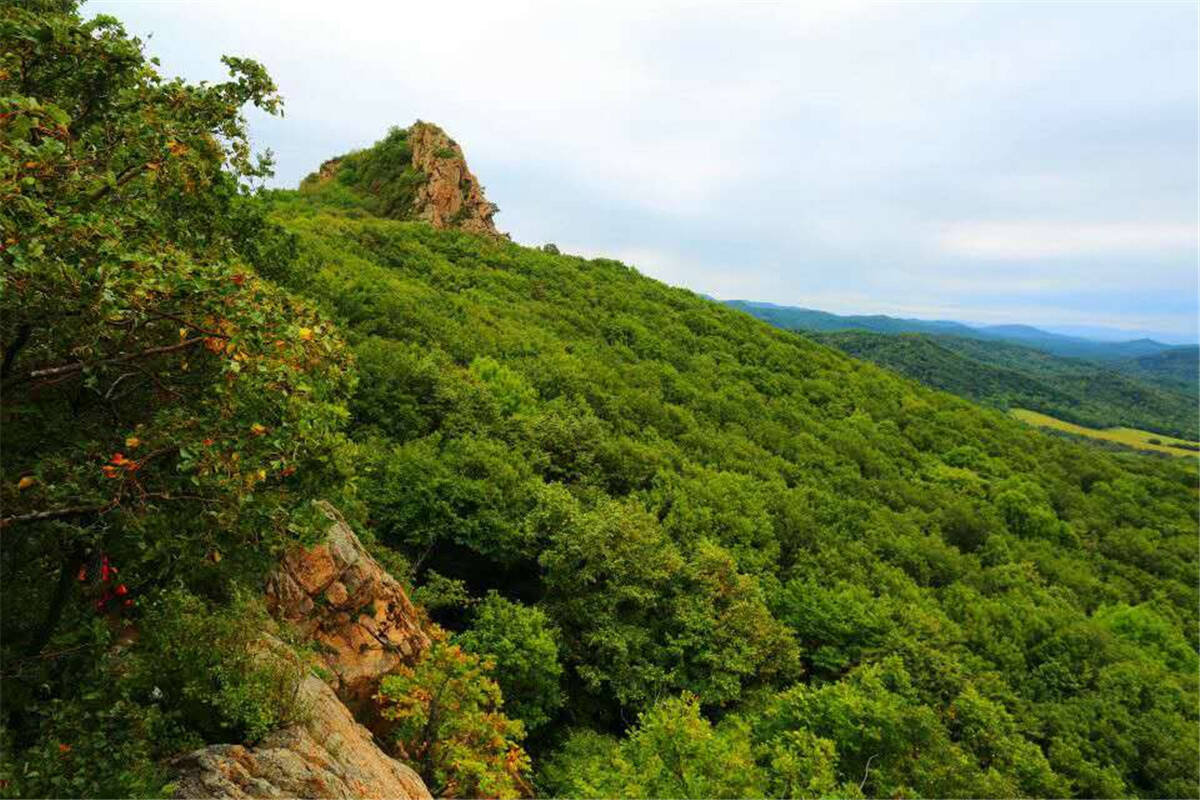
126,175
866,772
192,325
55,513
70,369
166,496
75,511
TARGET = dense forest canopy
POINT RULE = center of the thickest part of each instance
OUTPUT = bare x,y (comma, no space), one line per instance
1012,376
676,551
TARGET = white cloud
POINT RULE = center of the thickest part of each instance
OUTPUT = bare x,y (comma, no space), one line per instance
1026,240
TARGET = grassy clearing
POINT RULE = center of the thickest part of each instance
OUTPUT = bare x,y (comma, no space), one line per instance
1130,437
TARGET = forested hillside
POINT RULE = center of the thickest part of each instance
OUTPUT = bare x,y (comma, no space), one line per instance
1177,368
1011,376
668,549
833,565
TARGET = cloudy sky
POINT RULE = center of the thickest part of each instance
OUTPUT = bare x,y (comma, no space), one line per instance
994,163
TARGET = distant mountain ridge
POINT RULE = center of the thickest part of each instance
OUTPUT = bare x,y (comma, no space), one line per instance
795,318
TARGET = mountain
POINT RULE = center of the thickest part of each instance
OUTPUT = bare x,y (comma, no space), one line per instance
416,173
335,491
1011,376
1177,368
1152,391
808,319
1068,346
1104,333
698,503
1072,346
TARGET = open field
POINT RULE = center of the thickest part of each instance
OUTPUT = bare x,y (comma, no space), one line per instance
1130,437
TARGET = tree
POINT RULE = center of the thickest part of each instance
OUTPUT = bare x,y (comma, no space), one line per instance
673,751
448,724
169,412
521,641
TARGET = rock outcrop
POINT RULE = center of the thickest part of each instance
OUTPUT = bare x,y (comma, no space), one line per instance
415,173
327,755
451,196
336,595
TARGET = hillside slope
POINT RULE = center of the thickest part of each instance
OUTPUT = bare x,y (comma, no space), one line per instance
1177,368
1011,376
841,566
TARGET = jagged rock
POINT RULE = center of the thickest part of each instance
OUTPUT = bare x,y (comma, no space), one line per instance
359,615
327,755
451,196
339,597
417,173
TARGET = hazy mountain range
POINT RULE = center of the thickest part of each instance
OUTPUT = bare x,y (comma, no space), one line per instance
1097,347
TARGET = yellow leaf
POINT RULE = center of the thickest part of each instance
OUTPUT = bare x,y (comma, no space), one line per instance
183,332
132,442
306,334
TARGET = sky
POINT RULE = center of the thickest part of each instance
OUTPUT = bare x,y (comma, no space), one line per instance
989,163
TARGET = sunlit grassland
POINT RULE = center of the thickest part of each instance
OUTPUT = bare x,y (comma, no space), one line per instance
1130,437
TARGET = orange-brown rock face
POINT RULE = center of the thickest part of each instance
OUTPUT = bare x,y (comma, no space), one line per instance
339,596
452,196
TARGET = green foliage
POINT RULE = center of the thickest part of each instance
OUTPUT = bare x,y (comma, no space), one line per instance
641,619
1005,375
213,670
673,751
437,592
197,672
380,179
522,643
103,744
448,725
169,412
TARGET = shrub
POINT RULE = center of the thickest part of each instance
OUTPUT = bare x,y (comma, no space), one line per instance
210,668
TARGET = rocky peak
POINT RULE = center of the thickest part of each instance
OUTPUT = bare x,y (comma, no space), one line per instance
413,173
452,196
